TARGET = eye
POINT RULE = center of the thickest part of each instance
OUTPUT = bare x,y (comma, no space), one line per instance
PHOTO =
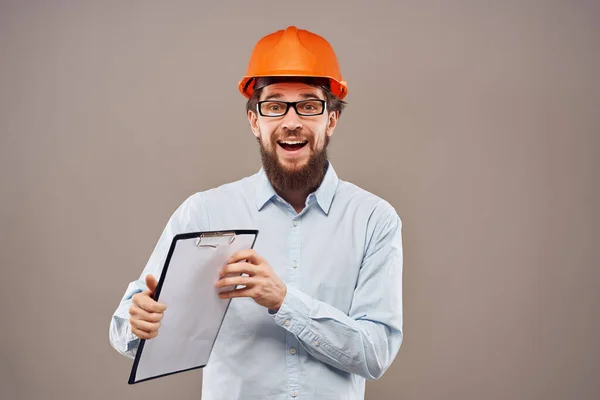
311,107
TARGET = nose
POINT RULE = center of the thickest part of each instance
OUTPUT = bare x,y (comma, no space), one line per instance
291,120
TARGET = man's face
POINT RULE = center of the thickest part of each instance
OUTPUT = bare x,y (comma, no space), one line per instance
293,147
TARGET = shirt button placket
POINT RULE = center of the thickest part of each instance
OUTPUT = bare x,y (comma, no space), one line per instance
294,253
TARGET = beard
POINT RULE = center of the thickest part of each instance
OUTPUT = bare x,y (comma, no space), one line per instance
306,178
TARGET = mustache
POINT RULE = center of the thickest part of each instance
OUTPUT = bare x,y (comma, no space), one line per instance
286,134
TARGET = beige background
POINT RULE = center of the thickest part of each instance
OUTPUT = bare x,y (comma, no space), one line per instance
478,120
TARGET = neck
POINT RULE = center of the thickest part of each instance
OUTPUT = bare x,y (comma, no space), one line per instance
296,198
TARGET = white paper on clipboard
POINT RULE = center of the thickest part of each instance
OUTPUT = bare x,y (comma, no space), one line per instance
194,312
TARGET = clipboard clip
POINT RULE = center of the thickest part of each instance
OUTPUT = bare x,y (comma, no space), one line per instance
215,239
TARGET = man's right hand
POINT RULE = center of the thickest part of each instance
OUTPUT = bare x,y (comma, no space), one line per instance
146,313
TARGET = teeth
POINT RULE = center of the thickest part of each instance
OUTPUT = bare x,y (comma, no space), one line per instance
292,141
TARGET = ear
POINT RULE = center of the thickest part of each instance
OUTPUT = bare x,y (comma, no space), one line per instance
332,122
253,120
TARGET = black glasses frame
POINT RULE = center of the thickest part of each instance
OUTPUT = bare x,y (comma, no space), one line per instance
293,104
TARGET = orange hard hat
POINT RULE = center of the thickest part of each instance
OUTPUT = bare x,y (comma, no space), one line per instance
293,52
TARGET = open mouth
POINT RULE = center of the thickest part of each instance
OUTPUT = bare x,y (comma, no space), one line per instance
292,145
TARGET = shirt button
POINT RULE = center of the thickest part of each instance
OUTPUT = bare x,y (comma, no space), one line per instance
294,265
292,351
286,322
295,222
316,342
294,394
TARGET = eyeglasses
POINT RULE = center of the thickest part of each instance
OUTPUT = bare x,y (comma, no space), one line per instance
271,108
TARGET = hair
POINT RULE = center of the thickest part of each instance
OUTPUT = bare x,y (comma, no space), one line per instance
333,102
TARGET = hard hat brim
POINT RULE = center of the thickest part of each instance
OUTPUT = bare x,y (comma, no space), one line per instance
247,83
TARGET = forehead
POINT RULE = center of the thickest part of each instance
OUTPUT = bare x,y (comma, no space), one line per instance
291,91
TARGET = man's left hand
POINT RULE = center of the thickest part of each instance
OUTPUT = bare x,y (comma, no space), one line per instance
261,284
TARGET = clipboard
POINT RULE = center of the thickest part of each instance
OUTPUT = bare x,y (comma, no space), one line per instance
195,312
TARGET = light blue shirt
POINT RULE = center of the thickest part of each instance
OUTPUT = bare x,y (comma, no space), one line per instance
341,320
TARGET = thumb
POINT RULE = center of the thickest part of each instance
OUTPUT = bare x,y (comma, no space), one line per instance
151,283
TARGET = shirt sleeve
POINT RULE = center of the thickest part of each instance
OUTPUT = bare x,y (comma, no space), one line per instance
190,216
366,341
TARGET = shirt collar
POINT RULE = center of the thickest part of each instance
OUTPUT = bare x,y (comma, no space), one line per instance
327,189
264,190
324,194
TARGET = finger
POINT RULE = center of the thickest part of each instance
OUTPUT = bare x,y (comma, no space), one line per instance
148,304
246,292
144,335
145,299
145,326
135,328
151,282
238,269
251,255
144,315
234,281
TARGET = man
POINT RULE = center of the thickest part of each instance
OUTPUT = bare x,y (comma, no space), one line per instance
321,309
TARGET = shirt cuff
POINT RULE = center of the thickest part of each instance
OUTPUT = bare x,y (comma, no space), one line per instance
294,313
